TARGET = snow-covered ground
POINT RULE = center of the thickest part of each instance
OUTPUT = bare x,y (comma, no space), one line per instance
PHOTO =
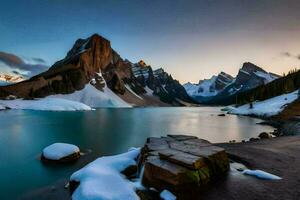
94,98
57,151
261,174
86,99
49,104
102,178
266,108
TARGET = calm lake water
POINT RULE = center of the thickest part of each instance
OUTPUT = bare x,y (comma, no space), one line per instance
23,135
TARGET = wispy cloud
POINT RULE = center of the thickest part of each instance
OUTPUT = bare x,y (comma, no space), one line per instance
10,63
290,55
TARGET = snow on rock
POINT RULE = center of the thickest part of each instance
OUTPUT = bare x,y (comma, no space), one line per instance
95,98
47,104
58,151
166,195
267,108
149,92
102,178
261,174
130,90
269,77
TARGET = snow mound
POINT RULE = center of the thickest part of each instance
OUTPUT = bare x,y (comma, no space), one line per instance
102,180
46,104
261,174
166,195
95,98
267,108
57,151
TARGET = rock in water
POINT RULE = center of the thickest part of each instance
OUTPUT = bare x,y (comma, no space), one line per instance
60,153
185,165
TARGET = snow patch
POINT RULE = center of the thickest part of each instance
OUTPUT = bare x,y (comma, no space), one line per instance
167,195
267,108
57,151
149,92
130,90
102,178
267,76
95,98
261,174
46,104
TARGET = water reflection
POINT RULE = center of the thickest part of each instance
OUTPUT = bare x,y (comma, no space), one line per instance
23,134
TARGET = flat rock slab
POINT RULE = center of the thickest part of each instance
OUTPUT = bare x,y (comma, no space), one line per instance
182,164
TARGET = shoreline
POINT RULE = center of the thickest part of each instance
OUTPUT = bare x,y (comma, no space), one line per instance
273,155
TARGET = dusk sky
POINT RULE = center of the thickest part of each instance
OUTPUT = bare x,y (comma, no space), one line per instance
191,40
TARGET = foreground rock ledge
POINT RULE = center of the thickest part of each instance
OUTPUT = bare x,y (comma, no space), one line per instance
182,164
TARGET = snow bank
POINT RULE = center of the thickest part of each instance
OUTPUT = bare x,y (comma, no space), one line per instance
261,174
101,179
267,108
57,151
49,104
95,98
166,195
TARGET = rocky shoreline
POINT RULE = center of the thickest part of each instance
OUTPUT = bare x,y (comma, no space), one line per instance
273,155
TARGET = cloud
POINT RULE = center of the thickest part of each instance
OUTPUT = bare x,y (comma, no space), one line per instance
28,67
287,54
290,55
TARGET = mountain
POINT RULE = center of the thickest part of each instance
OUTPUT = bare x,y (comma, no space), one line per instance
7,79
92,62
208,88
160,82
223,86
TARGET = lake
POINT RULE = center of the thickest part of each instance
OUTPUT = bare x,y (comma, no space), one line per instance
23,135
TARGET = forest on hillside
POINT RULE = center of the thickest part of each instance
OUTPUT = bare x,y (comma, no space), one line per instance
286,84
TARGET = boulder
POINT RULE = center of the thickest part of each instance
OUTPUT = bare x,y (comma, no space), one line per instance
265,135
60,153
182,164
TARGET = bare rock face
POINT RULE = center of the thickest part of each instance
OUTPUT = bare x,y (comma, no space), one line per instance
182,164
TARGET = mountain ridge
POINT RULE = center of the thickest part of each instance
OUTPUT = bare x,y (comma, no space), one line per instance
249,76
93,61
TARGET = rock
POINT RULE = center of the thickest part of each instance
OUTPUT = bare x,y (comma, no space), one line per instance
60,153
221,115
265,135
185,165
130,171
253,139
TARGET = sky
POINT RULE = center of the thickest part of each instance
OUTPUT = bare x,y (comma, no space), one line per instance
191,39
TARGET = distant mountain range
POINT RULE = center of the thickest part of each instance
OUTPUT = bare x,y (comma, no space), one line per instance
95,74
223,86
92,64
7,79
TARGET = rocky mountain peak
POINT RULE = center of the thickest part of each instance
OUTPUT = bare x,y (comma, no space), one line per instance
141,63
250,67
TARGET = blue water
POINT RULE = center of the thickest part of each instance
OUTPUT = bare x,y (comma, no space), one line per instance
23,134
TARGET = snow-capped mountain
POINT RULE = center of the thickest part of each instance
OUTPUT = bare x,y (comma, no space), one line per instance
7,79
222,86
251,76
95,74
209,87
